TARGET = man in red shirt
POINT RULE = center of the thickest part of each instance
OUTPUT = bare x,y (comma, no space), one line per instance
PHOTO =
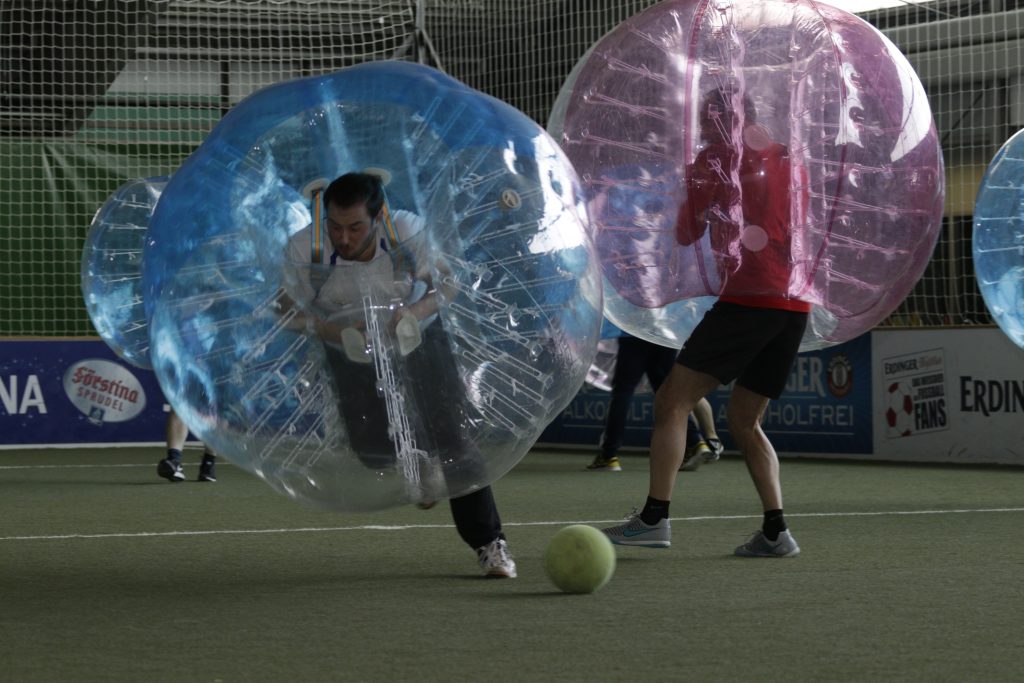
739,191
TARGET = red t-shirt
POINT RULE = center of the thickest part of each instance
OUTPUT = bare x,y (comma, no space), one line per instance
750,224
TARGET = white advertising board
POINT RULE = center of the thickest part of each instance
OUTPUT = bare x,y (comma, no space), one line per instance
952,395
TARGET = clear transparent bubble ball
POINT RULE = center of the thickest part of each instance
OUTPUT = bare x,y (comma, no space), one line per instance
776,149
369,407
998,239
112,268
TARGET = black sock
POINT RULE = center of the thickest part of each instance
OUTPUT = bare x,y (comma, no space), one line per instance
209,458
174,454
774,524
654,511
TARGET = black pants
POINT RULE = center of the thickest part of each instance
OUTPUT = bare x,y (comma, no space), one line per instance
439,424
635,358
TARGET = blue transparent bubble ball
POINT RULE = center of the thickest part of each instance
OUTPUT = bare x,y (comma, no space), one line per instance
112,268
998,243
388,410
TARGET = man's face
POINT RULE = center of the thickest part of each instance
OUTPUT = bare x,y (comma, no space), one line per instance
352,232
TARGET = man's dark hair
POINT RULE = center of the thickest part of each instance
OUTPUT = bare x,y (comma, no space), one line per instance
356,188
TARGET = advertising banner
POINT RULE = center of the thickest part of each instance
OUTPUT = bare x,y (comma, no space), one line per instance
75,392
826,408
953,395
944,395
582,421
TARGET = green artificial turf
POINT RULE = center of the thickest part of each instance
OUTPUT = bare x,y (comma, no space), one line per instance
108,573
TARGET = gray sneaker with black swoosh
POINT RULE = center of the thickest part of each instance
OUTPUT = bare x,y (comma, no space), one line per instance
635,532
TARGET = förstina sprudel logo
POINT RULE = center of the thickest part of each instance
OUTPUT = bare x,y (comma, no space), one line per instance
104,391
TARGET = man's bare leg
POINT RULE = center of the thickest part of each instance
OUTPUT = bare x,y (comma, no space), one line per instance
744,413
672,404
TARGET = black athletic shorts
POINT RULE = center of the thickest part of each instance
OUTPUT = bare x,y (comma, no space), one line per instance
754,346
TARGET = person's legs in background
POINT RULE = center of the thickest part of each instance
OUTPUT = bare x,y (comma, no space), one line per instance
706,419
631,362
697,449
170,467
208,466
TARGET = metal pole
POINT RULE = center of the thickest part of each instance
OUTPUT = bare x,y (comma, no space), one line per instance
419,29
426,53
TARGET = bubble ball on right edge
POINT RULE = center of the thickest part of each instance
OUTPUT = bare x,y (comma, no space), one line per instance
579,559
998,238
778,150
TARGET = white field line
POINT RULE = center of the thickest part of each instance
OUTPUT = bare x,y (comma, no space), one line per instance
72,467
406,527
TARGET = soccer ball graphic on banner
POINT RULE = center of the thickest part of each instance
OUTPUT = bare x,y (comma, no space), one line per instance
899,411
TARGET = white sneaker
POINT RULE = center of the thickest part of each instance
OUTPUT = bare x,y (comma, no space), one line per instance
496,560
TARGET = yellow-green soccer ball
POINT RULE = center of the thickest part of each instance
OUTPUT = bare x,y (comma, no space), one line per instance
579,559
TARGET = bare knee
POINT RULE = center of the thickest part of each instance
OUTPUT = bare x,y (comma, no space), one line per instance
741,426
670,406
679,393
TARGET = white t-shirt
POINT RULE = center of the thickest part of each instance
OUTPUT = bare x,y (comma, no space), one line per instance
338,284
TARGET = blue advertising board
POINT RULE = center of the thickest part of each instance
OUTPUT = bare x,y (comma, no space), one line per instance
68,392
826,408
582,421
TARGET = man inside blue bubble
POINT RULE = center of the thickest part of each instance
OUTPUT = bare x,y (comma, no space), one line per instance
378,260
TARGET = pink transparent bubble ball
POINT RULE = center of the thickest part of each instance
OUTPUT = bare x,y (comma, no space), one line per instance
766,151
